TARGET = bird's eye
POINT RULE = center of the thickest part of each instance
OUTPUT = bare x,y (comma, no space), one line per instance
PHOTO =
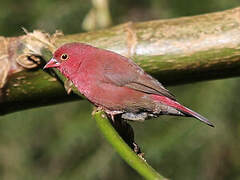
64,57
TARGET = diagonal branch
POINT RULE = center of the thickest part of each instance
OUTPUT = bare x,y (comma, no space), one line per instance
124,150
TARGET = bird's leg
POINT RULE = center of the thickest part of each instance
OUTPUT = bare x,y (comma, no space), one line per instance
112,117
68,86
112,114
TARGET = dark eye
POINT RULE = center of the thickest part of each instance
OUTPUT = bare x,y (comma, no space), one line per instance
64,57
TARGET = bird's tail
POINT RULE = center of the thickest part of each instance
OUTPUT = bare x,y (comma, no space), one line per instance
187,112
191,113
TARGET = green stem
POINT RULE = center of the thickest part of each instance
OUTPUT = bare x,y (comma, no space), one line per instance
124,150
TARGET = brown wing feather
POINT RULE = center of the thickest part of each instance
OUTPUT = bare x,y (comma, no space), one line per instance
151,86
124,72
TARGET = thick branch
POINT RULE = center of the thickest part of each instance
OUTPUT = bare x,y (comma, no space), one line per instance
175,51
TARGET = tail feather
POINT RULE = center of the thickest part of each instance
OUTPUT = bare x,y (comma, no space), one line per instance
188,112
191,113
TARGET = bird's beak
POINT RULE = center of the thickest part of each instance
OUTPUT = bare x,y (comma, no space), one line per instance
51,64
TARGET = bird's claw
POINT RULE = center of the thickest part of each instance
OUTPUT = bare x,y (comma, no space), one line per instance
96,109
137,150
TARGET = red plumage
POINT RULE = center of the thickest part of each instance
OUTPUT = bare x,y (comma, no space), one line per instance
116,84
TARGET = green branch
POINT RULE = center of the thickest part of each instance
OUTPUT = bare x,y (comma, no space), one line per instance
124,150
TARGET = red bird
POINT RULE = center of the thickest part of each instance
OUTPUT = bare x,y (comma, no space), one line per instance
116,84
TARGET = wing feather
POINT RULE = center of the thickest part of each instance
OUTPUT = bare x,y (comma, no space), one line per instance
124,72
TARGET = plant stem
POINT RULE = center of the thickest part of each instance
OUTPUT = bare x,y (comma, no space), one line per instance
124,150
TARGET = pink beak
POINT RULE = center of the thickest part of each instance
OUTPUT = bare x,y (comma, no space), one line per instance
51,64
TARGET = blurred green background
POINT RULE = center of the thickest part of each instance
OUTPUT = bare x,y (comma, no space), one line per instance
63,142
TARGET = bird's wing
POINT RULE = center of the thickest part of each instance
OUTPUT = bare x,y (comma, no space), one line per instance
122,71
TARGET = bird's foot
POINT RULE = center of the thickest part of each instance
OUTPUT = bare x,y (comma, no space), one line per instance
112,114
96,109
68,86
137,150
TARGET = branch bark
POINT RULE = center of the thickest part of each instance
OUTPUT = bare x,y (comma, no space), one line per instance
175,51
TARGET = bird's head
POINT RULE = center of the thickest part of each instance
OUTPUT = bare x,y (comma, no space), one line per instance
68,57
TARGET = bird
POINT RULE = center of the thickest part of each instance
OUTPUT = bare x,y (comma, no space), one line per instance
116,84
